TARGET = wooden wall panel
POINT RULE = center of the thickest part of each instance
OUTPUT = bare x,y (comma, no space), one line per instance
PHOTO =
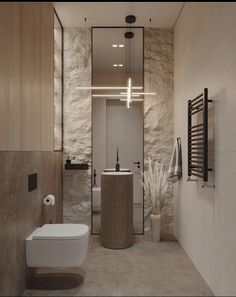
26,73
31,43
5,16
15,120
47,78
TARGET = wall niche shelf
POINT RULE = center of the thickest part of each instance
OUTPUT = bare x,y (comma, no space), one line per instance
78,166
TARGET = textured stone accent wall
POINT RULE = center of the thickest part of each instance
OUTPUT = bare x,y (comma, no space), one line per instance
158,109
77,124
158,117
58,88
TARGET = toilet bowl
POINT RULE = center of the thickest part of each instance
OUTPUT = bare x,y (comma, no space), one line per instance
57,245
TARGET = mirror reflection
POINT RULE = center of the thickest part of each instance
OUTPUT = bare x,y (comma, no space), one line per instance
117,116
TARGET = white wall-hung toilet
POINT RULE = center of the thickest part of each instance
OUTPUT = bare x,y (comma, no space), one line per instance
57,245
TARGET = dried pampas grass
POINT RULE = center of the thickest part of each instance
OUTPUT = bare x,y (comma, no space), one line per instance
155,183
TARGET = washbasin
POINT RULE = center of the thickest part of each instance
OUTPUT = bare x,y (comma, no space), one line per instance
113,170
116,173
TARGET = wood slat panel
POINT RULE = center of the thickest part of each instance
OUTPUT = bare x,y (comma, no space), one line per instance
15,116
47,77
31,78
5,57
26,76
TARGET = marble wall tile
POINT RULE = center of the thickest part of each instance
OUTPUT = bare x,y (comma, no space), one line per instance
21,211
158,109
77,124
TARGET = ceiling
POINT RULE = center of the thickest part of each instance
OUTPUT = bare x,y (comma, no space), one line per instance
72,14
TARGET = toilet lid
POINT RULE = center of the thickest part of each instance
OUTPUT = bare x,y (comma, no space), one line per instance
61,231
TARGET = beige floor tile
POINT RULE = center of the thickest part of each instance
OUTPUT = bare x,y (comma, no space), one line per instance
145,269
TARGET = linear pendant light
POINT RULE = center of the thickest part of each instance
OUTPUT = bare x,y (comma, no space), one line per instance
139,93
107,88
129,92
112,95
134,100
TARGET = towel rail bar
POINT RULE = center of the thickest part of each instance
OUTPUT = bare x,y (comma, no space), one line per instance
193,140
196,130
199,161
198,136
200,109
194,136
196,144
197,106
196,126
194,99
196,102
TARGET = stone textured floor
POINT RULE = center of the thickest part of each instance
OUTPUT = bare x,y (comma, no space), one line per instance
145,269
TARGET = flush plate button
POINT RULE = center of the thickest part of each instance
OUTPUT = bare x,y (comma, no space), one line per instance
32,182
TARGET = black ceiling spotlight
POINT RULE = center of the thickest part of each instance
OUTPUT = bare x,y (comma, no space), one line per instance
130,19
129,35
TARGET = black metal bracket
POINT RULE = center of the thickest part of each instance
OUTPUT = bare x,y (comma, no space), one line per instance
206,185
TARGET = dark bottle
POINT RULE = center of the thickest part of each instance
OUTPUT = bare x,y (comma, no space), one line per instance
117,161
68,161
94,178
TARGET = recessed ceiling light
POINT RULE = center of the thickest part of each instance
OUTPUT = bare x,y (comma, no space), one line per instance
115,65
121,45
114,45
120,65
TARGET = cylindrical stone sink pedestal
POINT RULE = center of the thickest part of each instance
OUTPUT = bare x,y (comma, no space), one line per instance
117,210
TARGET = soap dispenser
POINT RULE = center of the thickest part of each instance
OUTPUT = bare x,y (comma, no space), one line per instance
117,161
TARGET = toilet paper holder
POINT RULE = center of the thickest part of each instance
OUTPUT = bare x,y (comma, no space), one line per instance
49,200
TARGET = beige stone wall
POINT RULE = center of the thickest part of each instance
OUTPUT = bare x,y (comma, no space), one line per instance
158,109
58,73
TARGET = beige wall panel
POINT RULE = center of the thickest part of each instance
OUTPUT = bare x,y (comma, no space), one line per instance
5,45
31,77
26,77
47,80
205,56
15,83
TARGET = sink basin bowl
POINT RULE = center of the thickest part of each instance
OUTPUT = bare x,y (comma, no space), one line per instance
116,173
113,170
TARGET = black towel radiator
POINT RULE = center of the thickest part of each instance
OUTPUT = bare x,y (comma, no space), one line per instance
198,138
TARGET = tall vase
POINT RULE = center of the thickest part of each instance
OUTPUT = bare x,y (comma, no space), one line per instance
155,227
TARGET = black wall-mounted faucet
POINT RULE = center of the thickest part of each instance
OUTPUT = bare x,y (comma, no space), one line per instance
94,178
117,161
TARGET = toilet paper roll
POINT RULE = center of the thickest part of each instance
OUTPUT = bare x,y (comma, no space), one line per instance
49,200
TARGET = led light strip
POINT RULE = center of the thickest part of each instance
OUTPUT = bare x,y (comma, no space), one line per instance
138,93
108,88
111,95
133,100
129,92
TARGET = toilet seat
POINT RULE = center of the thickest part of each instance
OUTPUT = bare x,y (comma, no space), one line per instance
61,232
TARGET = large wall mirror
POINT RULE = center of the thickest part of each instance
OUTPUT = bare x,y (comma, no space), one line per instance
116,62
